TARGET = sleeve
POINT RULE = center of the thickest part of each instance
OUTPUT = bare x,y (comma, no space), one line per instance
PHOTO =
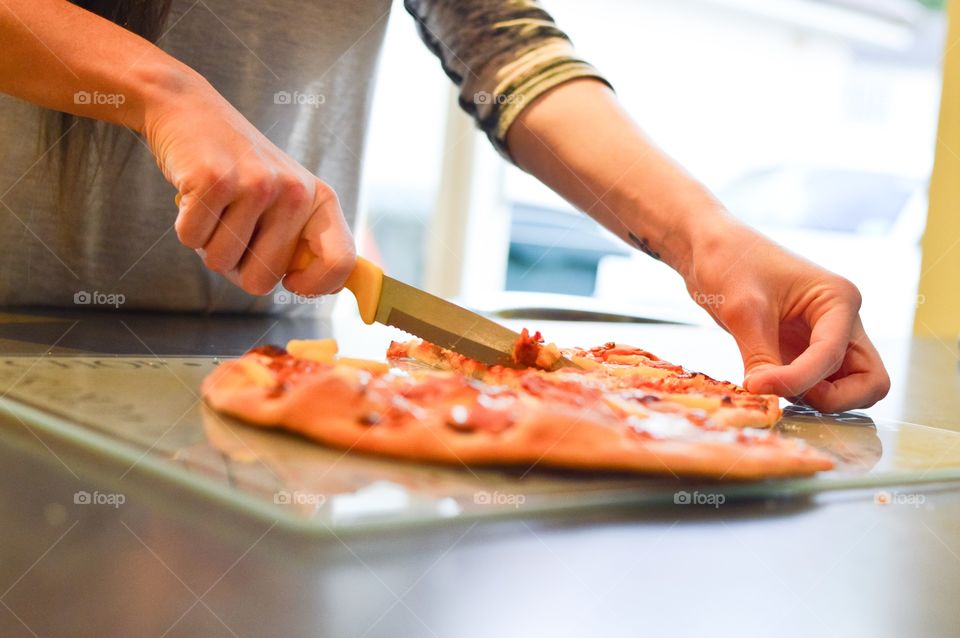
502,54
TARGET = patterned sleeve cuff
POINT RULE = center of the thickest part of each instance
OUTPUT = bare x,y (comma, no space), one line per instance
509,99
501,54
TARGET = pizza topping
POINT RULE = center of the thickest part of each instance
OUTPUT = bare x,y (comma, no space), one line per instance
400,406
374,367
370,418
585,363
259,374
268,350
558,389
637,371
478,417
698,401
459,414
530,351
662,425
321,350
526,349
397,351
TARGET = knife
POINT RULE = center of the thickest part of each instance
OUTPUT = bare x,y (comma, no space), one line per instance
386,300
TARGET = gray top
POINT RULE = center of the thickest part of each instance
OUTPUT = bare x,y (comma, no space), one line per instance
300,72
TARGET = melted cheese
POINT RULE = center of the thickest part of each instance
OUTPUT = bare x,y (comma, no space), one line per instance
260,374
376,367
322,350
661,425
586,363
639,371
699,401
548,356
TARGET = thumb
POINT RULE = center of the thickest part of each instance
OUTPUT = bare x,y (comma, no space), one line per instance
758,338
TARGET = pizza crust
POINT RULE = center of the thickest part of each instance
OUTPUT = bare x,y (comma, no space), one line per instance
333,405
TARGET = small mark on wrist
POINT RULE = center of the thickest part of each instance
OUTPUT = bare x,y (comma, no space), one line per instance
643,245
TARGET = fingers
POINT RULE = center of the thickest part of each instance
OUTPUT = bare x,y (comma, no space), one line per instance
226,247
331,242
251,240
276,236
829,338
200,213
861,382
756,335
755,330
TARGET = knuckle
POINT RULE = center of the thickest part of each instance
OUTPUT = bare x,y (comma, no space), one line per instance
203,178
218,184
187,232
296,195
881,387
849,291
258,188
325,193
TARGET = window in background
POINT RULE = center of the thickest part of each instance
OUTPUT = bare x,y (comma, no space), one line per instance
404,150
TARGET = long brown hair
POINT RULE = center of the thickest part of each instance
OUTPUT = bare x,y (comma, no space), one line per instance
77,145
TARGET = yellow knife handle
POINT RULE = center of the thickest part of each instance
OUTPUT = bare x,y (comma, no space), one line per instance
365,282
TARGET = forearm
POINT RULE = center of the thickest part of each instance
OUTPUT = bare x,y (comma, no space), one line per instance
61,57
578,140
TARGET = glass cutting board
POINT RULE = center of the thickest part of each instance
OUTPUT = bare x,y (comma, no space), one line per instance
145,412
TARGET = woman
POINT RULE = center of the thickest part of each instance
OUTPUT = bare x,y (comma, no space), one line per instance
243,104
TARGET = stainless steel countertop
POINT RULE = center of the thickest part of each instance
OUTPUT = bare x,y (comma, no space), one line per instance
166,563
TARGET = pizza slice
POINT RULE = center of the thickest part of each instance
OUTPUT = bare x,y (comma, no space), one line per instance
635,375
567,419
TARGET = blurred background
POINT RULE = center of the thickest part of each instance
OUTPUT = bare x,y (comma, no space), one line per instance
813,120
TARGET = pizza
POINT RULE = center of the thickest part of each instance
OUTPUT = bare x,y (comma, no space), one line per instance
609,408
624,372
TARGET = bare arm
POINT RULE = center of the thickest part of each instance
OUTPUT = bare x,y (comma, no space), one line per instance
579,141
797,325
245,203
55,51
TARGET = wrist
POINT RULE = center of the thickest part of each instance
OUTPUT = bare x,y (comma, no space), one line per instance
162,88
678,226
714,236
